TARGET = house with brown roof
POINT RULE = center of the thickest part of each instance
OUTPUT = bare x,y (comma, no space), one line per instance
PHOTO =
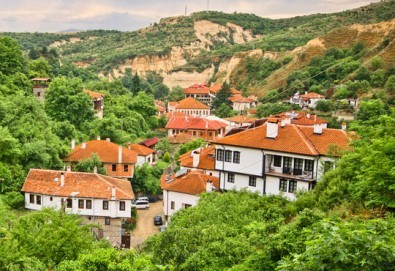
240,120
277,157
240,103
196,127
300,118
199,92
40,85
202,158
189,106
118,161
97,102
183,189
144,154
98,199
307,100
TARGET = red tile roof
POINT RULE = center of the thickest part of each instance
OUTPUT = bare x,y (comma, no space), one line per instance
300,118
291,138
206,159
193,183
88,185
190,103
150,142
241,99
107,151
197,89
311,95
94,95
184,123
140,149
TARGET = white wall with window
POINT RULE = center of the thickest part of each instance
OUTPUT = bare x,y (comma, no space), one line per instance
235,181
174,201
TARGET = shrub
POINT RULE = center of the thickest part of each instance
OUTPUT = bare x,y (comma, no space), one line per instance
14,199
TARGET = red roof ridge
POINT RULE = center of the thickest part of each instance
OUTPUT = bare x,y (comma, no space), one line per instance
307,141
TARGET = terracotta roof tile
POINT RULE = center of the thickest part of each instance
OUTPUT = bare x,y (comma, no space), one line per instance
311,95
190,103
149,142
197,89
181,138
291,138
94,95
107,151
88,185
194,123
300,118
140,149
206,159
241,119
193,183
241,99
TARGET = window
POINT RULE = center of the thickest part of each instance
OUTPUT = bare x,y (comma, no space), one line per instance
231,177
172,205
283,185
88,204
31,199
277,161
187,205
287,164
220,155
210,134
236,157
105,204
125,168
252,181
38,200
107,221
298,166
122,206
308,165
81,204
228,156
114,167
69,203
292,186
51,198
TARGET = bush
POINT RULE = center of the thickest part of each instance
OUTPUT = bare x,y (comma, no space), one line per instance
14,199
166,157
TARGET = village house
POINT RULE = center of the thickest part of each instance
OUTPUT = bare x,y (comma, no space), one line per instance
160,107
240,120
199,92
240,103
144,154
118,161
197,127
183,189
149,143
214,89
307,100
301,118
96,198
202,158
97,102
40,85
189,106
277,157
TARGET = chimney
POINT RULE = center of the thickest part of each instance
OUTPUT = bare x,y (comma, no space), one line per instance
308,115
196,158
95,170
68,168
317,128
113,192
344,126
129,145
206,124
98,138
272,128
83,145
120,154
305,92
73,144
108,139
209,186
62,179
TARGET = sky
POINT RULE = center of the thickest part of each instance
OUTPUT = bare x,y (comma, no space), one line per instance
129,15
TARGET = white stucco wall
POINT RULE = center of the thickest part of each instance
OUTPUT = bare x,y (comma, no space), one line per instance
179,200
241,182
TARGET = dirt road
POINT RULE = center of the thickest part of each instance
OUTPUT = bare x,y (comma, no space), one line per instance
145,224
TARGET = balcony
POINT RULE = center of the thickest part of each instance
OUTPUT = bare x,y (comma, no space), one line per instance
292,173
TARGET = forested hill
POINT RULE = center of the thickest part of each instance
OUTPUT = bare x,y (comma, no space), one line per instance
211,46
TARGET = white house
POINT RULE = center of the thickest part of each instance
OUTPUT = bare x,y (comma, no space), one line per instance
144,154
240,103
202,158
277,157
183,189
189,106
98,199
306,100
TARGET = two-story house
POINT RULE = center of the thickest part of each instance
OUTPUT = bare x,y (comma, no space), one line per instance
144,154
199,92
277,157
98,199
240,103
97,102
189,106
196,127
307,100
183,189
118,161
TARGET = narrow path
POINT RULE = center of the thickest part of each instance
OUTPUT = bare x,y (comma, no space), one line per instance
145,224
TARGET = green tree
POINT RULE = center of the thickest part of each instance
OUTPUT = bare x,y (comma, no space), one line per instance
390,84
11,56
176,94
222,96
89,164
39,68
325,105
265,110
224,111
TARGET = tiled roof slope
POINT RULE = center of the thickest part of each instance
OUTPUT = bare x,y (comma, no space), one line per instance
191,103
291,138
197,89
311,95
300,118
141,150
107,151
94,95
193,182
181,138
88,185
206,160
194,123
241,119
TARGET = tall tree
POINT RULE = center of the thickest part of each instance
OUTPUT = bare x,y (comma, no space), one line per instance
222,96
10,56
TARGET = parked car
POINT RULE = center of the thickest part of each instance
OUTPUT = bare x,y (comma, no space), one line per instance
140,204
143,198
158,221
150,199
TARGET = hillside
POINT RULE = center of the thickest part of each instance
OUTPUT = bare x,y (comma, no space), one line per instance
212,45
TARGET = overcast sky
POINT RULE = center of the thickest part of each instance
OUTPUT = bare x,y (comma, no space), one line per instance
126,15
